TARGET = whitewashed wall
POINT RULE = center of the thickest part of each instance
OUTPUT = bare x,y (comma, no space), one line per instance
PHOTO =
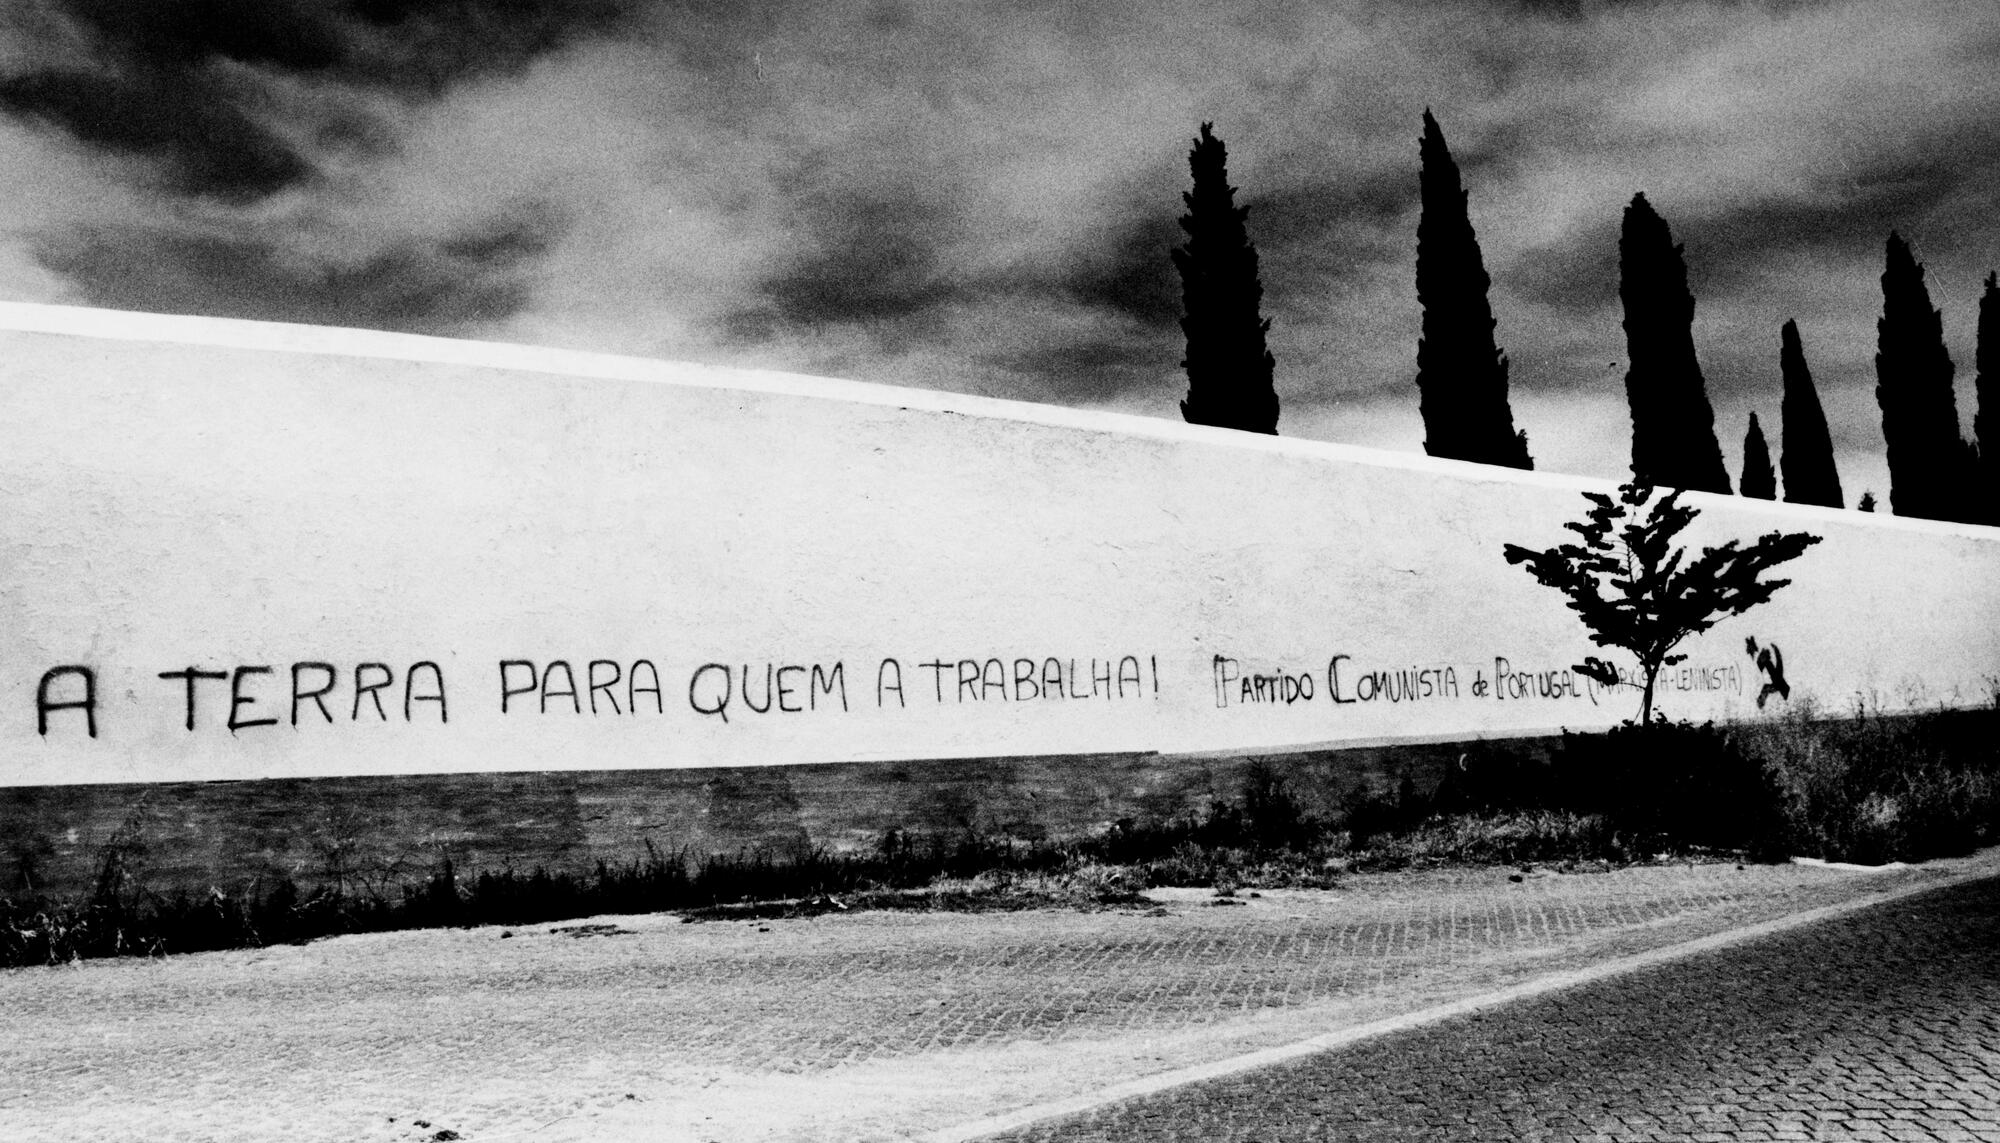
250,500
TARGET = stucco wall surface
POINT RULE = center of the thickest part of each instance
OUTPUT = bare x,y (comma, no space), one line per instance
387,554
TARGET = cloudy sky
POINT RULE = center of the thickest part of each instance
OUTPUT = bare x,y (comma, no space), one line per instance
981,197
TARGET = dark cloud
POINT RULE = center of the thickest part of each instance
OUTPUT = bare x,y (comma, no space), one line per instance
1726,252
284,33
1362,205
1584,9
870,258
888,262
205,145
205,96
1314,236
1120,285
1311,238
1575,275
1091,367
889,16
1913,197
865,277
426,45
387,42
445,286
153,82
1129,273
1493,156
1732,248
1568,9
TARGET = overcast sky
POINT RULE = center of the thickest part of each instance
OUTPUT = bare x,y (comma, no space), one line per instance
981,197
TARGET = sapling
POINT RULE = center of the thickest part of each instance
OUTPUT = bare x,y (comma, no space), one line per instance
1635,590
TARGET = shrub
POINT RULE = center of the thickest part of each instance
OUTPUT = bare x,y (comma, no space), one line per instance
1671,785
1880,786
1264,818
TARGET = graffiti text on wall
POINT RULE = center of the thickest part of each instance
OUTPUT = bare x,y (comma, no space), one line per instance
1346,681
251,696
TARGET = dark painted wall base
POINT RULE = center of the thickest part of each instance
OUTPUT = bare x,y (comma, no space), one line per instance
229,834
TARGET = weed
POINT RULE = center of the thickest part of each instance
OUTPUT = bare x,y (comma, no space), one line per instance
1883,785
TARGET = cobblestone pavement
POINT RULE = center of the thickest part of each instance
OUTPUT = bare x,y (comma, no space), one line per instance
868,1026
1877,1025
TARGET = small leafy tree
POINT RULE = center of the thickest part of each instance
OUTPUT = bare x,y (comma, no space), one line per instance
1626,580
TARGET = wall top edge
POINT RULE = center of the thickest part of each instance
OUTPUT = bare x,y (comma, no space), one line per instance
334,341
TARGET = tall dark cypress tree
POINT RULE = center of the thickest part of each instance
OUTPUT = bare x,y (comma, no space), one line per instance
1986,422
1759,482
1673,425
1461,373
1228,367
1805,451
1930,469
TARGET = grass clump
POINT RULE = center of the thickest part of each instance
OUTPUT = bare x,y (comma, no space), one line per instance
1516,837
1878,786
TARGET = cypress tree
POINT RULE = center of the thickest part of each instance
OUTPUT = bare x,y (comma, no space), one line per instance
1673,425
1228,367
1929,464
1806,448
1986,422
1759,482
1461,373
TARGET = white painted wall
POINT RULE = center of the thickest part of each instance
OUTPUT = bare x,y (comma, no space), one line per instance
225,495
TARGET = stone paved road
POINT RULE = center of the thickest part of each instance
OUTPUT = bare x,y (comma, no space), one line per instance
1878,1025
872,1026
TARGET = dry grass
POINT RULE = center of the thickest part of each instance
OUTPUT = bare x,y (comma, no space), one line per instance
1876,786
